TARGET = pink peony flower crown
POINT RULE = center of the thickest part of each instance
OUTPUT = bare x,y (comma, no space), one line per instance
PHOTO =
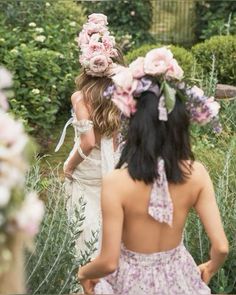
160,73
97,46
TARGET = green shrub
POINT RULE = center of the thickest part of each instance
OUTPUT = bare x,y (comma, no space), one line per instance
223,48
40,84
215,18
39,48
183,56
130,20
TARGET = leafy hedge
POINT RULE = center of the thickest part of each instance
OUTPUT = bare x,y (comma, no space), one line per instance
39,48
214,17
223,49
130,20
183,56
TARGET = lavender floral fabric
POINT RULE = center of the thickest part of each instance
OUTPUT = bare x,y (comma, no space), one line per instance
161,206
171,272
166,273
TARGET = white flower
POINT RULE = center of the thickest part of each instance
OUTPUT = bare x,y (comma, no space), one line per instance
72,24
39,30
40,38
35,91
48,4
32,25
14,50
11,175
5,78
12,137
30,215
5,195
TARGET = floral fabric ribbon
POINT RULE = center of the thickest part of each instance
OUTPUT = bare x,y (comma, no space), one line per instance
161,206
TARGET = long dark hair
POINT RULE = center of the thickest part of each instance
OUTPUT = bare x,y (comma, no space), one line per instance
149,138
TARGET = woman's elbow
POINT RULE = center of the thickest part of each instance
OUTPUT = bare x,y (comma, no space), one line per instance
110,267
222,248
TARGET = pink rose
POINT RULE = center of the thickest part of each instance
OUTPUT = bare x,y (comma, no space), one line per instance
214,106
124,102
98,64
174,71
108,42
197,91
92,28
83,38
124,79
98,18
95,47
137,68
157,61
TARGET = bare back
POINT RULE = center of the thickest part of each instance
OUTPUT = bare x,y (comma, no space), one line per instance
141,232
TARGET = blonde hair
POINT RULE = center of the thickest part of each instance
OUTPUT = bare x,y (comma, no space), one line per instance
104,114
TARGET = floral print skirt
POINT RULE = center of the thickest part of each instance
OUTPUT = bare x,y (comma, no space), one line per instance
170,272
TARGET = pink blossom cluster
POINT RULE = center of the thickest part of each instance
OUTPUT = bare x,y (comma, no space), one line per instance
26,212
158,62
202,109
97,46
160,65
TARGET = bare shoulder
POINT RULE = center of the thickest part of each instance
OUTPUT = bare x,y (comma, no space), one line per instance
77,98
199,169
118,181
200,174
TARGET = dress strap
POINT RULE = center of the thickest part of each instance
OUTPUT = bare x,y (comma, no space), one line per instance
63,135
161,205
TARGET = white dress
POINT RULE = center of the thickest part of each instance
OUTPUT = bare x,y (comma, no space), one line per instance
85,188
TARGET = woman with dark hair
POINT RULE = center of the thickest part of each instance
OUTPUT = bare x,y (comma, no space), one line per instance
146,200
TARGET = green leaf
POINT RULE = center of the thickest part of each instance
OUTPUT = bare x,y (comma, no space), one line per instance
169,94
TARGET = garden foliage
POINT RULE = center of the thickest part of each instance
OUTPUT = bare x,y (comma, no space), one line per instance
223,50
37,43
214,17
130,20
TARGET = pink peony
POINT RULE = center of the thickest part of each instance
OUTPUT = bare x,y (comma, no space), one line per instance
174,71
157,61
98,18
98,64
137,68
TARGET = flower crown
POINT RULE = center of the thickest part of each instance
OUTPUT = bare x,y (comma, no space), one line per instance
161,74
19,212
97,46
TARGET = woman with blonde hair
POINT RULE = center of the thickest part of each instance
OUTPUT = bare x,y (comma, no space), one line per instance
96,121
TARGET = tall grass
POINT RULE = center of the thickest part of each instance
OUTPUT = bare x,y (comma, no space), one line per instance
51,268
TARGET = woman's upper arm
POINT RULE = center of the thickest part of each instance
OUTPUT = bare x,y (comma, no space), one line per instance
112,216
82,113
208,211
